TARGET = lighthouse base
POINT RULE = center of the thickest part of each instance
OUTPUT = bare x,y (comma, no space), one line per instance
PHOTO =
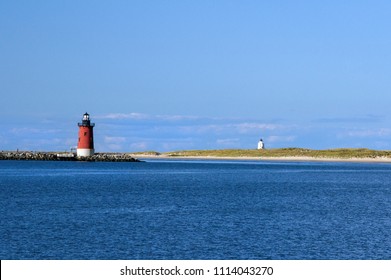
85,152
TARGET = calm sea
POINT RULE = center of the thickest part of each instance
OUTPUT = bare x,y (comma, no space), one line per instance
194,210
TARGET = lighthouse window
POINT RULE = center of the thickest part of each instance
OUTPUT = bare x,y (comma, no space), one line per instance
85,133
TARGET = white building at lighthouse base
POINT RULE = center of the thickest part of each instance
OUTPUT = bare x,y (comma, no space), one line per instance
85,152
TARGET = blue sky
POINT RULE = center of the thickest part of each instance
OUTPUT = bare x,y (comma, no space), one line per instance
171,75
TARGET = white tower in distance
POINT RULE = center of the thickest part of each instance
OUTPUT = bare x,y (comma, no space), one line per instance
261,145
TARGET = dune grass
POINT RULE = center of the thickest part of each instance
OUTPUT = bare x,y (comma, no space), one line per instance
343,153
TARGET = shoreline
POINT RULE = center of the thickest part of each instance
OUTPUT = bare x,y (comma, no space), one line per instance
61,156
137,157
248,158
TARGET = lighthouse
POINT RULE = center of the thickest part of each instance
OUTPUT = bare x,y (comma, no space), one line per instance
261,145
85,145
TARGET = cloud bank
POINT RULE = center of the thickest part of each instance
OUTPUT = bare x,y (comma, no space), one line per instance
134,132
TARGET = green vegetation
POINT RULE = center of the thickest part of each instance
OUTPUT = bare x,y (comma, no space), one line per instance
284,152
147,153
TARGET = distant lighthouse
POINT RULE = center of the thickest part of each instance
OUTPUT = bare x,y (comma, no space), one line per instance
261,145
85,145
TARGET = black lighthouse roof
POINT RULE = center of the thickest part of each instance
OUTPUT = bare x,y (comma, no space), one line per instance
86,121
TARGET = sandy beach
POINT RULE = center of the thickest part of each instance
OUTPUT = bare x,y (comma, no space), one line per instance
288,159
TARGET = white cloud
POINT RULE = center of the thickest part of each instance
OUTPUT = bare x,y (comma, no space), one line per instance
30,130
141,116
172,132
139,146
251,127
367,133
232,128
195,124
277,138
122,116
201,129
231,142
141,132
175,117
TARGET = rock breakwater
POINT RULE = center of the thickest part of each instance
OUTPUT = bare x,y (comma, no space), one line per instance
51,156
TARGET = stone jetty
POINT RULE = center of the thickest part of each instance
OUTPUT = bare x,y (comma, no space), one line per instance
52,156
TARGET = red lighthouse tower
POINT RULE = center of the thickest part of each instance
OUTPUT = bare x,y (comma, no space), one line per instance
85,146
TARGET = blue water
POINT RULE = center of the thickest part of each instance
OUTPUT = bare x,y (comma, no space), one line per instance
194,210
